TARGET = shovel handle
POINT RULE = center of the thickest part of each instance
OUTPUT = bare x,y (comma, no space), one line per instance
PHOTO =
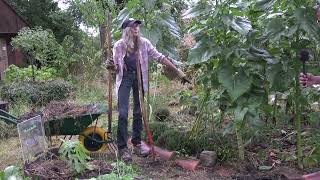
109,75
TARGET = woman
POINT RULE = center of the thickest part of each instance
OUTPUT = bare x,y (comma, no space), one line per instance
126,52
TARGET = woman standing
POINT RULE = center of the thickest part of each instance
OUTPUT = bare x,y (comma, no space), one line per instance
126,52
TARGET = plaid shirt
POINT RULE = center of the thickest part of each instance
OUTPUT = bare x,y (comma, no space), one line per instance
146,50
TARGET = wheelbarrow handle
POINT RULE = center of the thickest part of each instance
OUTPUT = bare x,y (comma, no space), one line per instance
8,120
6,114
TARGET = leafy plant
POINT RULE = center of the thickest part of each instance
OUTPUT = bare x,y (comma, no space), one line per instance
14,74
248,50
121,171
12,173
75,154
39,45
36,93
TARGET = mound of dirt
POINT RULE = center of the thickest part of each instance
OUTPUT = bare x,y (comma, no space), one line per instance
49,166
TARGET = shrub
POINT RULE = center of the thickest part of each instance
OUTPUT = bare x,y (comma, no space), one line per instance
36,93
179,140
15,74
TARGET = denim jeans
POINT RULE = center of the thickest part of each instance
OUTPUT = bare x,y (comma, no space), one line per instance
129,81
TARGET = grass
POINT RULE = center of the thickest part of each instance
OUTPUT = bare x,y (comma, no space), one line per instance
93,92
10,153
19,108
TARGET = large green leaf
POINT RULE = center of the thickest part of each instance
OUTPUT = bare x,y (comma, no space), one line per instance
275,26
124,14
307,23
203,51
261,54
240,113
238,23
279,79
235,81
264,5
154,34
168,21
195,11
149,4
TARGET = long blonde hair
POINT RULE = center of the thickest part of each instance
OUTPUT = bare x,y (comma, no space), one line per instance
129,39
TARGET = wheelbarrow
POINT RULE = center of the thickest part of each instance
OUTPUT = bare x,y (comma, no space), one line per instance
93,138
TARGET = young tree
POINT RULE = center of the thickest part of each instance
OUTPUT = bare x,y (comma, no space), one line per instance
39,46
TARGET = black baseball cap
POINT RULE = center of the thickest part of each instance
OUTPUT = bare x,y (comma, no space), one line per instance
129,23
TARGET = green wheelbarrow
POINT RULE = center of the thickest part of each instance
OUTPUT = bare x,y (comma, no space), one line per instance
94,139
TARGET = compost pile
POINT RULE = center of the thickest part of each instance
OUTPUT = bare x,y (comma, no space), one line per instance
59,110
49,166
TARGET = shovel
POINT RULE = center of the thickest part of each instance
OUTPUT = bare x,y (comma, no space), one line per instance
165,154
107,54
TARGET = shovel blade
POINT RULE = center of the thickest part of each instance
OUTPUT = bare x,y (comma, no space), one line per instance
313,176
163,153
188,164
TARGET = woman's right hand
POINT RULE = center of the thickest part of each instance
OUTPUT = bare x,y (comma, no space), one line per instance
308,79
111,66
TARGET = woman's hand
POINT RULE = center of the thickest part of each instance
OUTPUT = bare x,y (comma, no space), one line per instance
183,77
308,79
113,67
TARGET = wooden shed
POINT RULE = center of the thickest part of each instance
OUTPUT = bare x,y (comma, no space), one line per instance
10,24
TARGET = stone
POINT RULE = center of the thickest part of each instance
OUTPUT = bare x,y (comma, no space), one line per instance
208,158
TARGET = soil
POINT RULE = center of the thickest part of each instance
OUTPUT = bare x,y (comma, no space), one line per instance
56,110
161,169
51,167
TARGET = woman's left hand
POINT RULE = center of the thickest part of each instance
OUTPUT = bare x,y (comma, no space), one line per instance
183,77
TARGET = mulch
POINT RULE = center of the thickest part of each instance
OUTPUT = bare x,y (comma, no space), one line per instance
56,110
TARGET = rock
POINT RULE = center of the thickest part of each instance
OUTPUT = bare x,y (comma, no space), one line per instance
208,158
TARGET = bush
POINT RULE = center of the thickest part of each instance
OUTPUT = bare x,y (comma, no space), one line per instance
15,74
178,140
36,93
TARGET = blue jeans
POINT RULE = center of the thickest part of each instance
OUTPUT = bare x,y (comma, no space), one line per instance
129,80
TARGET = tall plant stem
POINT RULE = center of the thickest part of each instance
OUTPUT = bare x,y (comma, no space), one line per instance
298,109
240,142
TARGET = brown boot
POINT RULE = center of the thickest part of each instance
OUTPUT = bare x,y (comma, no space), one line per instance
141,150
125,155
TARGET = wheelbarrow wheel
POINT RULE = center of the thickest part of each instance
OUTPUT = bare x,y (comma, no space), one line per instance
93,139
